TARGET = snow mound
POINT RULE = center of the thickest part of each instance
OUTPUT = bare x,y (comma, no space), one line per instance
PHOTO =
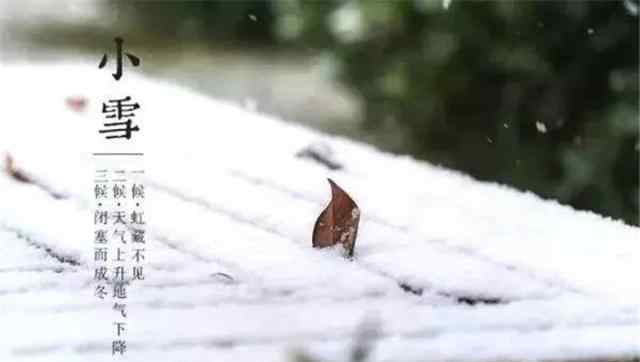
449,268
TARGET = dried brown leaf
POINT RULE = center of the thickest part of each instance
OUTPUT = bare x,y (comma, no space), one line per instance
338,222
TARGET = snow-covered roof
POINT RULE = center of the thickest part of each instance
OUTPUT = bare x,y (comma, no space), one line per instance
446,267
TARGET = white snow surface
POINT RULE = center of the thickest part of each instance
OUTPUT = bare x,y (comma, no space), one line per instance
225,193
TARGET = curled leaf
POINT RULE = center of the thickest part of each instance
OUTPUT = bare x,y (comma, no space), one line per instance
338,222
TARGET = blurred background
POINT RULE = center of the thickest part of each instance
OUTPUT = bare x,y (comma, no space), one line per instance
539,95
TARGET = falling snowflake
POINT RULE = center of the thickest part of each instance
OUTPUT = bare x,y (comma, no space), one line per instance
541,127
250,104
631,6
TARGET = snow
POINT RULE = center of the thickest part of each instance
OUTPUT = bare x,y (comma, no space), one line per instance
227,195
541,127
631,6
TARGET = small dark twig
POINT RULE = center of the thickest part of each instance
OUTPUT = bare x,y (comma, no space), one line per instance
13,171
320,153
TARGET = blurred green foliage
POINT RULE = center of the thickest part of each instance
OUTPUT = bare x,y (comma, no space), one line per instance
542,95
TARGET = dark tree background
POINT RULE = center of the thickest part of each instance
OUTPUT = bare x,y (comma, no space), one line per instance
541,95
